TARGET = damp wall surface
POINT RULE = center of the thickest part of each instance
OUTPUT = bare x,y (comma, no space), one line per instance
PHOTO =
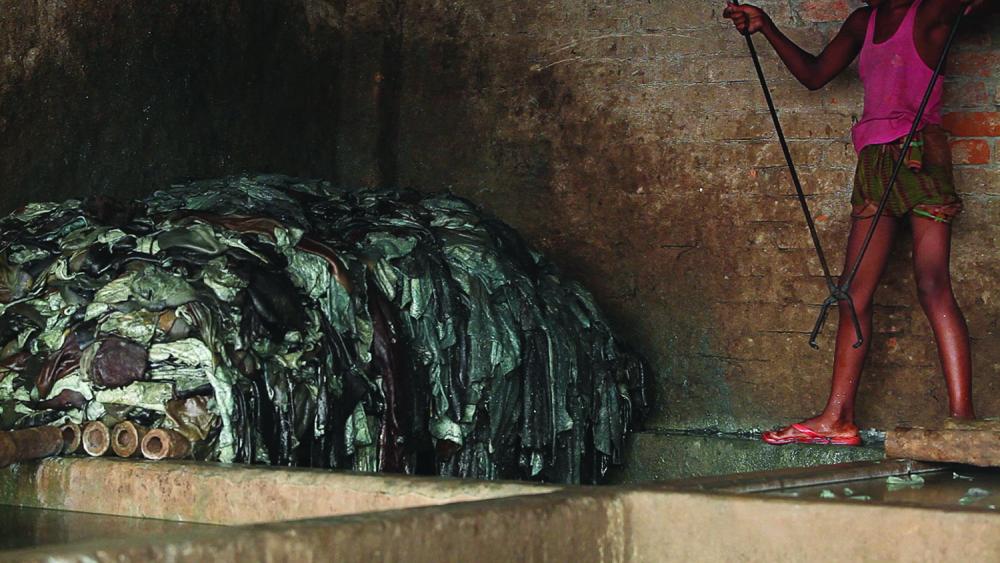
628,140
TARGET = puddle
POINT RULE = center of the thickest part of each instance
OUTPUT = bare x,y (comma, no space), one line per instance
34,527
965,488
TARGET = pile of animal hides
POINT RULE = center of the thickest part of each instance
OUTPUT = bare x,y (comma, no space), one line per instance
264,319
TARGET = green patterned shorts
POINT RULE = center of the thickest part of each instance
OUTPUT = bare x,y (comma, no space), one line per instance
925,186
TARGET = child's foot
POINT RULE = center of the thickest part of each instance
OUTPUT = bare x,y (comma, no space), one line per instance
815,431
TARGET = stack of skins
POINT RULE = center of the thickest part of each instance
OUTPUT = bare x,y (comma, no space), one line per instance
281,321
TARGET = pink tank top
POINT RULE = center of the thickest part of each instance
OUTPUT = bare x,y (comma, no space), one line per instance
895,80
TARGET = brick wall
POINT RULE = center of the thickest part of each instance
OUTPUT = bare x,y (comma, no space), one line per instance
628,139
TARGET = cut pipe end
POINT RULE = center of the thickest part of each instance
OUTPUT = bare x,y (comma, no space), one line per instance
126,439
155,448
72,437
165,444
96,438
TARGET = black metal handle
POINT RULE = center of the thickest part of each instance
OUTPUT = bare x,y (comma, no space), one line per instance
831,285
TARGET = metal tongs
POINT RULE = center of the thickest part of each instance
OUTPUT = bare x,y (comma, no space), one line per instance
842,291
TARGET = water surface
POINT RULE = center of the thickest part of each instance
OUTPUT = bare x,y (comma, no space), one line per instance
34,527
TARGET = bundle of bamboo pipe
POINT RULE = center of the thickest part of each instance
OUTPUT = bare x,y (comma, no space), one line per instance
126,439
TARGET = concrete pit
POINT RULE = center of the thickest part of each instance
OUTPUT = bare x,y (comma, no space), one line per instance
277,514
625,140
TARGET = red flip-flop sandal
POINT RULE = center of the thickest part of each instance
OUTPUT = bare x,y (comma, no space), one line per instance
807,435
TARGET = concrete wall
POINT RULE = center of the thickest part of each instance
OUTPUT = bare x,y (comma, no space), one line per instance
626,139
230,495
629,140
708,520
607,526
124,96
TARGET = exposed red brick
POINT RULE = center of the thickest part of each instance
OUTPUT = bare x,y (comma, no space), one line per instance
976,63
973,124
825,10
970,151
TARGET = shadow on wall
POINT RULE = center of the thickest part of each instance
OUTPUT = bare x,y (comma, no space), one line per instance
631,143
123,98
553,150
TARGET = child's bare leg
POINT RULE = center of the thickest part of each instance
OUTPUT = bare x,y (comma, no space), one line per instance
931,252
838,416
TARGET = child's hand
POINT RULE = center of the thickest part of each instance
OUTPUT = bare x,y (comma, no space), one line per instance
749,19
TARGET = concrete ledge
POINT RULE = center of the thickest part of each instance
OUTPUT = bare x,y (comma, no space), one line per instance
228,494
551,527
654,456
583,524
978,443
707,527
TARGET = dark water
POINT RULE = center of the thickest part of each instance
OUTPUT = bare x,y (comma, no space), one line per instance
976,489
33,527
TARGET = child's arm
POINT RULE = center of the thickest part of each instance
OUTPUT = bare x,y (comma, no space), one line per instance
812,71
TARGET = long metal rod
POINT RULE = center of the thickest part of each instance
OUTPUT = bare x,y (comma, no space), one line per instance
840,293
831,285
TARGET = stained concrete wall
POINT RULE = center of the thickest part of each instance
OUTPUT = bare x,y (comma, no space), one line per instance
626,139
230,495
706,520
630,141
124,96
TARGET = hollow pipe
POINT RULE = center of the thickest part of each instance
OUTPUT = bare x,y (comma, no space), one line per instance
126,439
96,438
162,443
72,437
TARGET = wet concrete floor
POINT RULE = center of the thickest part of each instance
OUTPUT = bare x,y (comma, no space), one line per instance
33,527
958,487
